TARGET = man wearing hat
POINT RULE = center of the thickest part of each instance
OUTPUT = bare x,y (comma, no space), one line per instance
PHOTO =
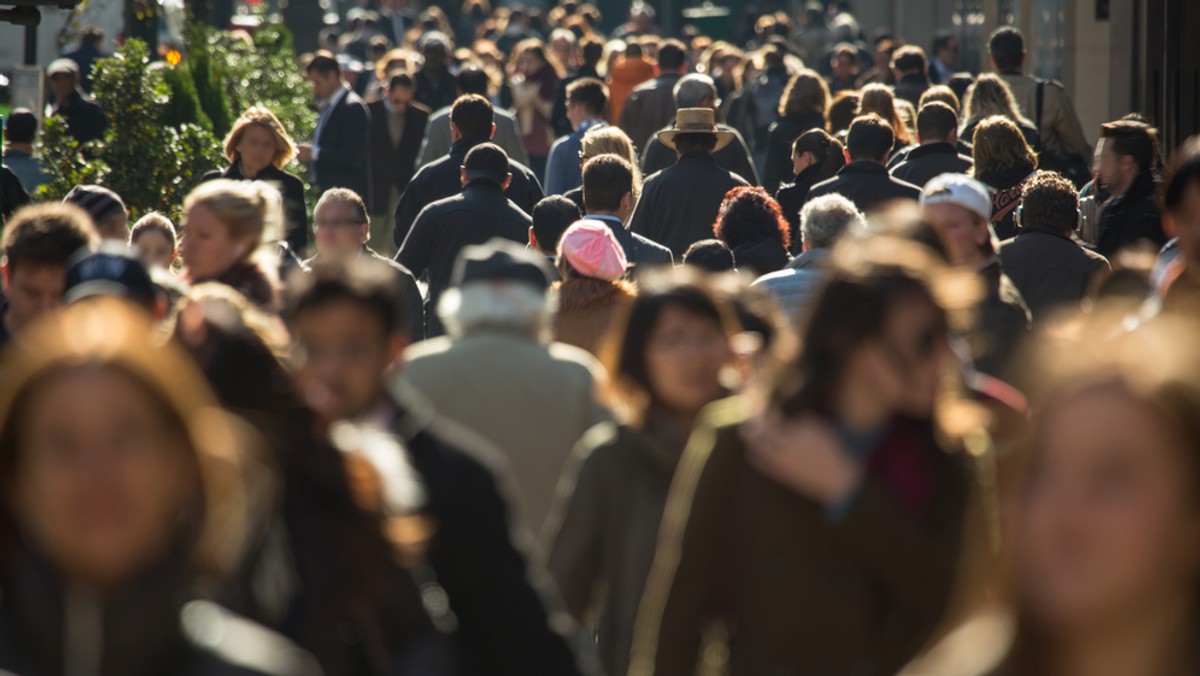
959,210
85,120
680,203
498,375
106,208
477,214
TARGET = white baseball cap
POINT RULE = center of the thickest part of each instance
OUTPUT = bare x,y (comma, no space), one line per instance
959,190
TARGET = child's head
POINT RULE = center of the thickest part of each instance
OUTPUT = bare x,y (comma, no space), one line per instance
153,240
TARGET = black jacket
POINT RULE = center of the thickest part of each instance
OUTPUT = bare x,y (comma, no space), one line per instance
393,165
295,208
925,162
85,119
867,184
1049,268
503,619
791,198
910,87
344,160
1005,187
639,251
413,312
1130,218
734,157
443,228
443,178
435,92
761,257
1003,322
680,203
779,146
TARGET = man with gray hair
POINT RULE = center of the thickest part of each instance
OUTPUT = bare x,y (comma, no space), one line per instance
498,375
823,222
699,91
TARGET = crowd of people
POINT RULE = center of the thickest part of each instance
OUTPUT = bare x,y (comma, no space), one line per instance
611,354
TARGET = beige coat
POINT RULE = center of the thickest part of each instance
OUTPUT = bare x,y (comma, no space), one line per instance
1060,130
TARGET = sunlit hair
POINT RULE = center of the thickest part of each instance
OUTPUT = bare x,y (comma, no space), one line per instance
999,144
511,307
805,92
112,334
250,209
153,222
285,150
611,140
749,214
537,48
990,95
878,99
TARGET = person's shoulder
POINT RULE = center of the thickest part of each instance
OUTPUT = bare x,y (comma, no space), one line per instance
648,243
515,167
353,99
425,353
377,106
904,186
213,175
384,260
419,109
775,278
828,185
574,358
235,645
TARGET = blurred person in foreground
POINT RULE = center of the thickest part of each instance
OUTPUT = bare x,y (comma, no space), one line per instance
347,319
666,354
1127,158
816,524
129,493
1179,284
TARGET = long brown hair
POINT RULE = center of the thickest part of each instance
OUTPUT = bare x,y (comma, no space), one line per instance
826,150
878,99
805,92
999,144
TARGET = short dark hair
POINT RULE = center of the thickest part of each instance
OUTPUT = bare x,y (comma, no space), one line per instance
324,63
473,116
21,126
551,218
869,138
1049,200
672,54
346,196
92,35
695,143
909,59
1135,139
373,285
472,80
592,49
936,121
1007,47
588,92
1185,172
941,42
711,255
47,234
606,179
401,79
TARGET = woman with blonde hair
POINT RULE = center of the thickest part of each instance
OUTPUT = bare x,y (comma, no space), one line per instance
804,104
225,224
988,96
878,99
258,148
610,140
1003,162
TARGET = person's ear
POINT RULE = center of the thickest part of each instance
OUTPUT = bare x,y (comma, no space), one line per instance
627,201
462,177
1169,227
365,232
455,134
952,137
4,272
492,133
533,243
846,154
507,182
397,344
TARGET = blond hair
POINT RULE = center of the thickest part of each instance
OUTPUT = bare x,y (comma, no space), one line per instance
990,95
878,99
611,140
285,149
999,144
250,209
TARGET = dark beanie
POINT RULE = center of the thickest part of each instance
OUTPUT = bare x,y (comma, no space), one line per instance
501,260
488,161
99,202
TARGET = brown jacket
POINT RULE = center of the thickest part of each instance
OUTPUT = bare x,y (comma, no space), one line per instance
1059,130
650,107
586,308
795,588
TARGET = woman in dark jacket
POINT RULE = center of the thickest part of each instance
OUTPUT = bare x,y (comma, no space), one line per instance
258,148
816,528
666,359
816,156
803,107
751,224
1003,162
127,493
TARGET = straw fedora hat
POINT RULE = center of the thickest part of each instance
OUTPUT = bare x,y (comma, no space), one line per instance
695,121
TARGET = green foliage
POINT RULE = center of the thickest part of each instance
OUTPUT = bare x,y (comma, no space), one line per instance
183,104
207,81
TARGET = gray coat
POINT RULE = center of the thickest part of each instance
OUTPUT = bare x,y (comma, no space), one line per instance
437,137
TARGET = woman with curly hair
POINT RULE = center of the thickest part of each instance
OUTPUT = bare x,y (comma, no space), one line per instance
752,224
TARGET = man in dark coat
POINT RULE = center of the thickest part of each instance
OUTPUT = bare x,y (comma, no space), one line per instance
338,156
679,204
865,180
696,90
397,128
937,130
436,86
1049,267
471,124
85,120
592,50
912,73
89,51
499,618
651,105
481,212
1127,157
608,198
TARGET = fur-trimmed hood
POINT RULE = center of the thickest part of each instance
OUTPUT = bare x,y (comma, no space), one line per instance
582,294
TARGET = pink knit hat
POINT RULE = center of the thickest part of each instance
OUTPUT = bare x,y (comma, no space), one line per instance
593,250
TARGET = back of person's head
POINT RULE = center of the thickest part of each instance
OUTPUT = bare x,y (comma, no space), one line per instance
592,50
672,54
710,255
999,144
46,235
806,92
1050,201
940,93
936,122
348,197
551,218
870,138
590,93
498,286
154,222
909,59
748,215
1007,47
472,80
92,36
843,110
371,285
826,219
606,179
827,152
249,209
879,99
21,126
990,95
472,115
1184,173
942,41
1133,139
694,90
325,64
